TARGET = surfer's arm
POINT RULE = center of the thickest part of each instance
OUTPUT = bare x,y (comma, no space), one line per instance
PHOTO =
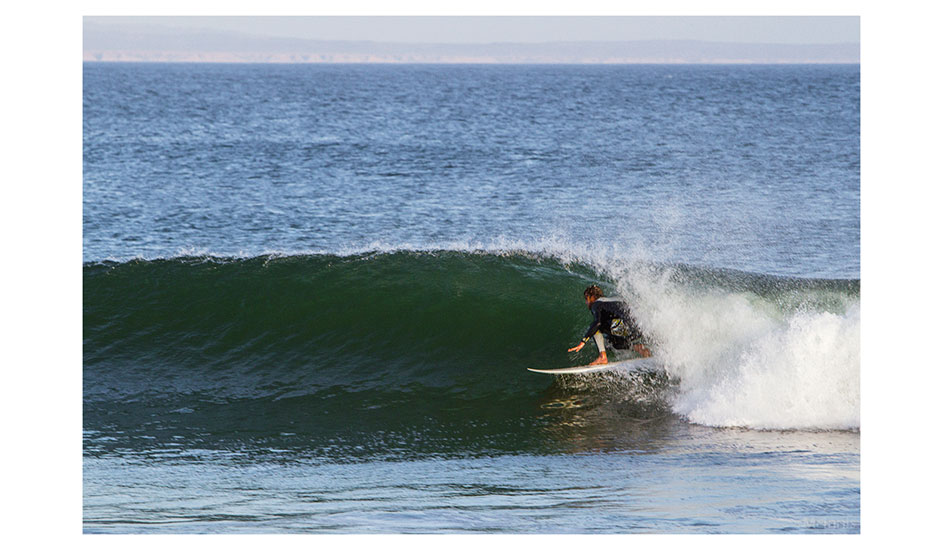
583,341
595,326
586,338
591,330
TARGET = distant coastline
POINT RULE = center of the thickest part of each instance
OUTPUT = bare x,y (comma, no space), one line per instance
106,44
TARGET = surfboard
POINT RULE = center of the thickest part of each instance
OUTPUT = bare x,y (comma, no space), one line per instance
640,363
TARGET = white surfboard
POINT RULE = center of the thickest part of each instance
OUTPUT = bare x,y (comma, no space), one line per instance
640,364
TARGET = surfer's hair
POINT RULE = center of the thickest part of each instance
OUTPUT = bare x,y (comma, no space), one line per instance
593,291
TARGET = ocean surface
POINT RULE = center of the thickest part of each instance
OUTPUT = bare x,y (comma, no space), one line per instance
311,293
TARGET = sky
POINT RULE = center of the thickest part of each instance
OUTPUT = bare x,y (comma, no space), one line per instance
532,29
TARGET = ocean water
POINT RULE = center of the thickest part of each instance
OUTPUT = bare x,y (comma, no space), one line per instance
310,294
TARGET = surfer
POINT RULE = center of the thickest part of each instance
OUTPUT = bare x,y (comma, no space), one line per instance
611,319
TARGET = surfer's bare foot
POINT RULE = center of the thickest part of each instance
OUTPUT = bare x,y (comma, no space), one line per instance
601,360
642,350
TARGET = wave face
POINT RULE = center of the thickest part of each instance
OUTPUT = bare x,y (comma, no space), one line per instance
265,327
262,342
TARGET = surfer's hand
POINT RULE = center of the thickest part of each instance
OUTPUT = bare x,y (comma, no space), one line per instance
577,347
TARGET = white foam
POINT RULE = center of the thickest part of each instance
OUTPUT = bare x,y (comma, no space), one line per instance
743,361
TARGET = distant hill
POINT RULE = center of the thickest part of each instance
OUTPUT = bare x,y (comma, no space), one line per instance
156,44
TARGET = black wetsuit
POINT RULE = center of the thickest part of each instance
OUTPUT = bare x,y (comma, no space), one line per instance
612,318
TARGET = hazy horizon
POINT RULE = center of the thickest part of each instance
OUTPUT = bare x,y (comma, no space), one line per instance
473,39
522,29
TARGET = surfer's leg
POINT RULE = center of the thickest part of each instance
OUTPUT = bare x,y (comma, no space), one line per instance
602,358
618,342
599,338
